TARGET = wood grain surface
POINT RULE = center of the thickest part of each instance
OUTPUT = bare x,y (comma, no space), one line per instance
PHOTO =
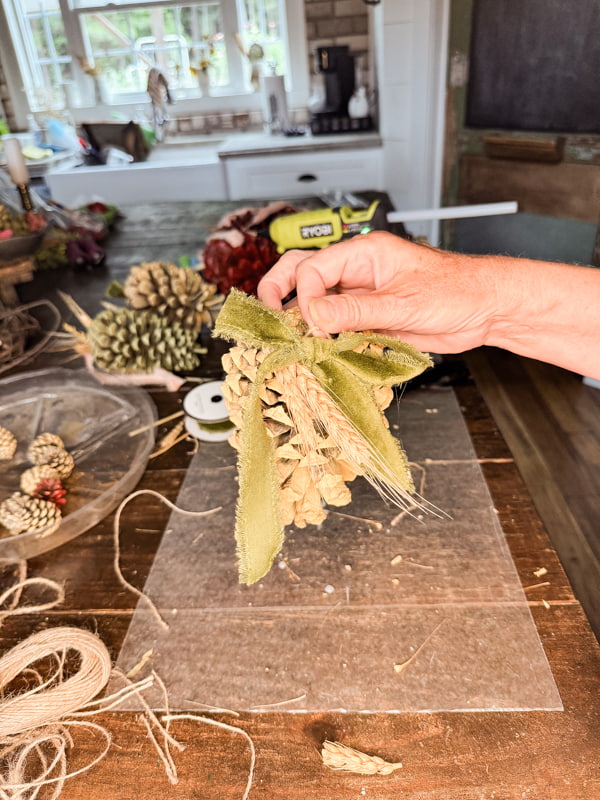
447,756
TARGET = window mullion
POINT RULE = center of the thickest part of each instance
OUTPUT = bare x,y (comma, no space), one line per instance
234,57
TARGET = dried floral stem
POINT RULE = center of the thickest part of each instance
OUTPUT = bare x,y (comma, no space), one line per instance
404,664
157,423
339,756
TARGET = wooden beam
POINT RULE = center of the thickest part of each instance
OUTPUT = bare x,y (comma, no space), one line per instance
568,191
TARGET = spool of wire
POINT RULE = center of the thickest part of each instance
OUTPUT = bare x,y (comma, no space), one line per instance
206,416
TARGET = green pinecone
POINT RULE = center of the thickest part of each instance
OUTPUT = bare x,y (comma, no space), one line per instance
178,293
21,513
124,340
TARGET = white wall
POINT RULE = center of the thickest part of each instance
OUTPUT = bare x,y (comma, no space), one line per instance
410,48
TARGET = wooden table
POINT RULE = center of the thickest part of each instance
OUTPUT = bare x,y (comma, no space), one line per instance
467,756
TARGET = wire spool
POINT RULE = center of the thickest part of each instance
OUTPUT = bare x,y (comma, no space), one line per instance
206,415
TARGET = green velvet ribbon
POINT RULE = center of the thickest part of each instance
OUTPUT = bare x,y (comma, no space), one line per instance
348,378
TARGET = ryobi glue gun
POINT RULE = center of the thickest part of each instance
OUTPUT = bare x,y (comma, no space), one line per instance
324,226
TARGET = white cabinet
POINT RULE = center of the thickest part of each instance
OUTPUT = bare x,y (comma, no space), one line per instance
138,183
284,175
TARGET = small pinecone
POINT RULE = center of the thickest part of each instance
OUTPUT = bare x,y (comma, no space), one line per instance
35,475
123,340
309,464
39,445
177,293
8,444
21,513
48,449
51,489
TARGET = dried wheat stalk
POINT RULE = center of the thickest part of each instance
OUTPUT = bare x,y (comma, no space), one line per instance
339,756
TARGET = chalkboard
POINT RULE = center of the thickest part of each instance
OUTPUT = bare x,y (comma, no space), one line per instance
535,65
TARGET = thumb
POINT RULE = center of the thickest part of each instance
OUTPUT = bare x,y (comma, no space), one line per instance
347,312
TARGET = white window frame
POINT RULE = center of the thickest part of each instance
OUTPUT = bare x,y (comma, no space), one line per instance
235,98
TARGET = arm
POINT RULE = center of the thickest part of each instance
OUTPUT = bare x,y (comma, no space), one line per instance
445,302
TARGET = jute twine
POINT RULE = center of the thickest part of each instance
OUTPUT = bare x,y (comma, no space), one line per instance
37,724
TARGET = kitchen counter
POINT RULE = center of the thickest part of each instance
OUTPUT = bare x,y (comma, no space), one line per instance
232,166
260,143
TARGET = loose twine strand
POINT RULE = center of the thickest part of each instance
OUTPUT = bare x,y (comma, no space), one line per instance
117,545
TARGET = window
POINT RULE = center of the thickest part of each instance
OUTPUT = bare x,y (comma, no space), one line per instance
83,52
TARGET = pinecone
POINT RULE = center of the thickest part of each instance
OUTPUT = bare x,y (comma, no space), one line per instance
32,477
177,293
48,449
310,463
21,513
124,340
8,444
51,489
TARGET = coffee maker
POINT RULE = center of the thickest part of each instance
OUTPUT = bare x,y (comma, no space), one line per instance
336,66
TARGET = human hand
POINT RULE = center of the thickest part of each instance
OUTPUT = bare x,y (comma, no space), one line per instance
437,301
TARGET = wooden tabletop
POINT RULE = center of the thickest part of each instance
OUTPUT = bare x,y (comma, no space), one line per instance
538,755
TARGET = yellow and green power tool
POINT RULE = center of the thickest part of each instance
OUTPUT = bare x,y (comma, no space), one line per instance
308,230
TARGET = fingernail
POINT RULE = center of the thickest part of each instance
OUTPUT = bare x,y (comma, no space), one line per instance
322,311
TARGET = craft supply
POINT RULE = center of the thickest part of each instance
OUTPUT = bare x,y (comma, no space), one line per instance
117,546
340,649
206,413
339,756
327,401
181,294
8,444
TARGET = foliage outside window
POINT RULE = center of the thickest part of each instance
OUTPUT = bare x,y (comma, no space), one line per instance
63,48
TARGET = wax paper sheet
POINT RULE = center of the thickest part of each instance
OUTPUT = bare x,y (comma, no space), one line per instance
371,611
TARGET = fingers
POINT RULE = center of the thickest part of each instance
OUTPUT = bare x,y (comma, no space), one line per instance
356,312
280,280
311,273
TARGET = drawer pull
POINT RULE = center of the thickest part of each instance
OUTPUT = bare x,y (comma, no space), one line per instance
307,177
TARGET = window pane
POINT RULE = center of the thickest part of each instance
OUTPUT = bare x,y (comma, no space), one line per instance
124,45
262,24
43,52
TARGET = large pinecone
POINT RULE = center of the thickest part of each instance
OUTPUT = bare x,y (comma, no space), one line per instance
311,467
126,341
177,293
21,513
8,444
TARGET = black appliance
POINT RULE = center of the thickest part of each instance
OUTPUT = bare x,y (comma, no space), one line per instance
336,64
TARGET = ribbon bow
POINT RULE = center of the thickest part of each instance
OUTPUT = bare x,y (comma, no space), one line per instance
347,377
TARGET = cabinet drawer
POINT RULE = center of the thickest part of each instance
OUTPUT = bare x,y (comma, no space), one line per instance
294,175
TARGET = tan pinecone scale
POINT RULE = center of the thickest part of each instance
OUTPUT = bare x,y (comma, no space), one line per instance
311,463
8,444
48,449
177,293
32,477
21,513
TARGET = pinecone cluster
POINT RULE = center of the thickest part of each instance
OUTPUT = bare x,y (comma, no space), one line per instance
128,341
178,294
312,463
37,507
